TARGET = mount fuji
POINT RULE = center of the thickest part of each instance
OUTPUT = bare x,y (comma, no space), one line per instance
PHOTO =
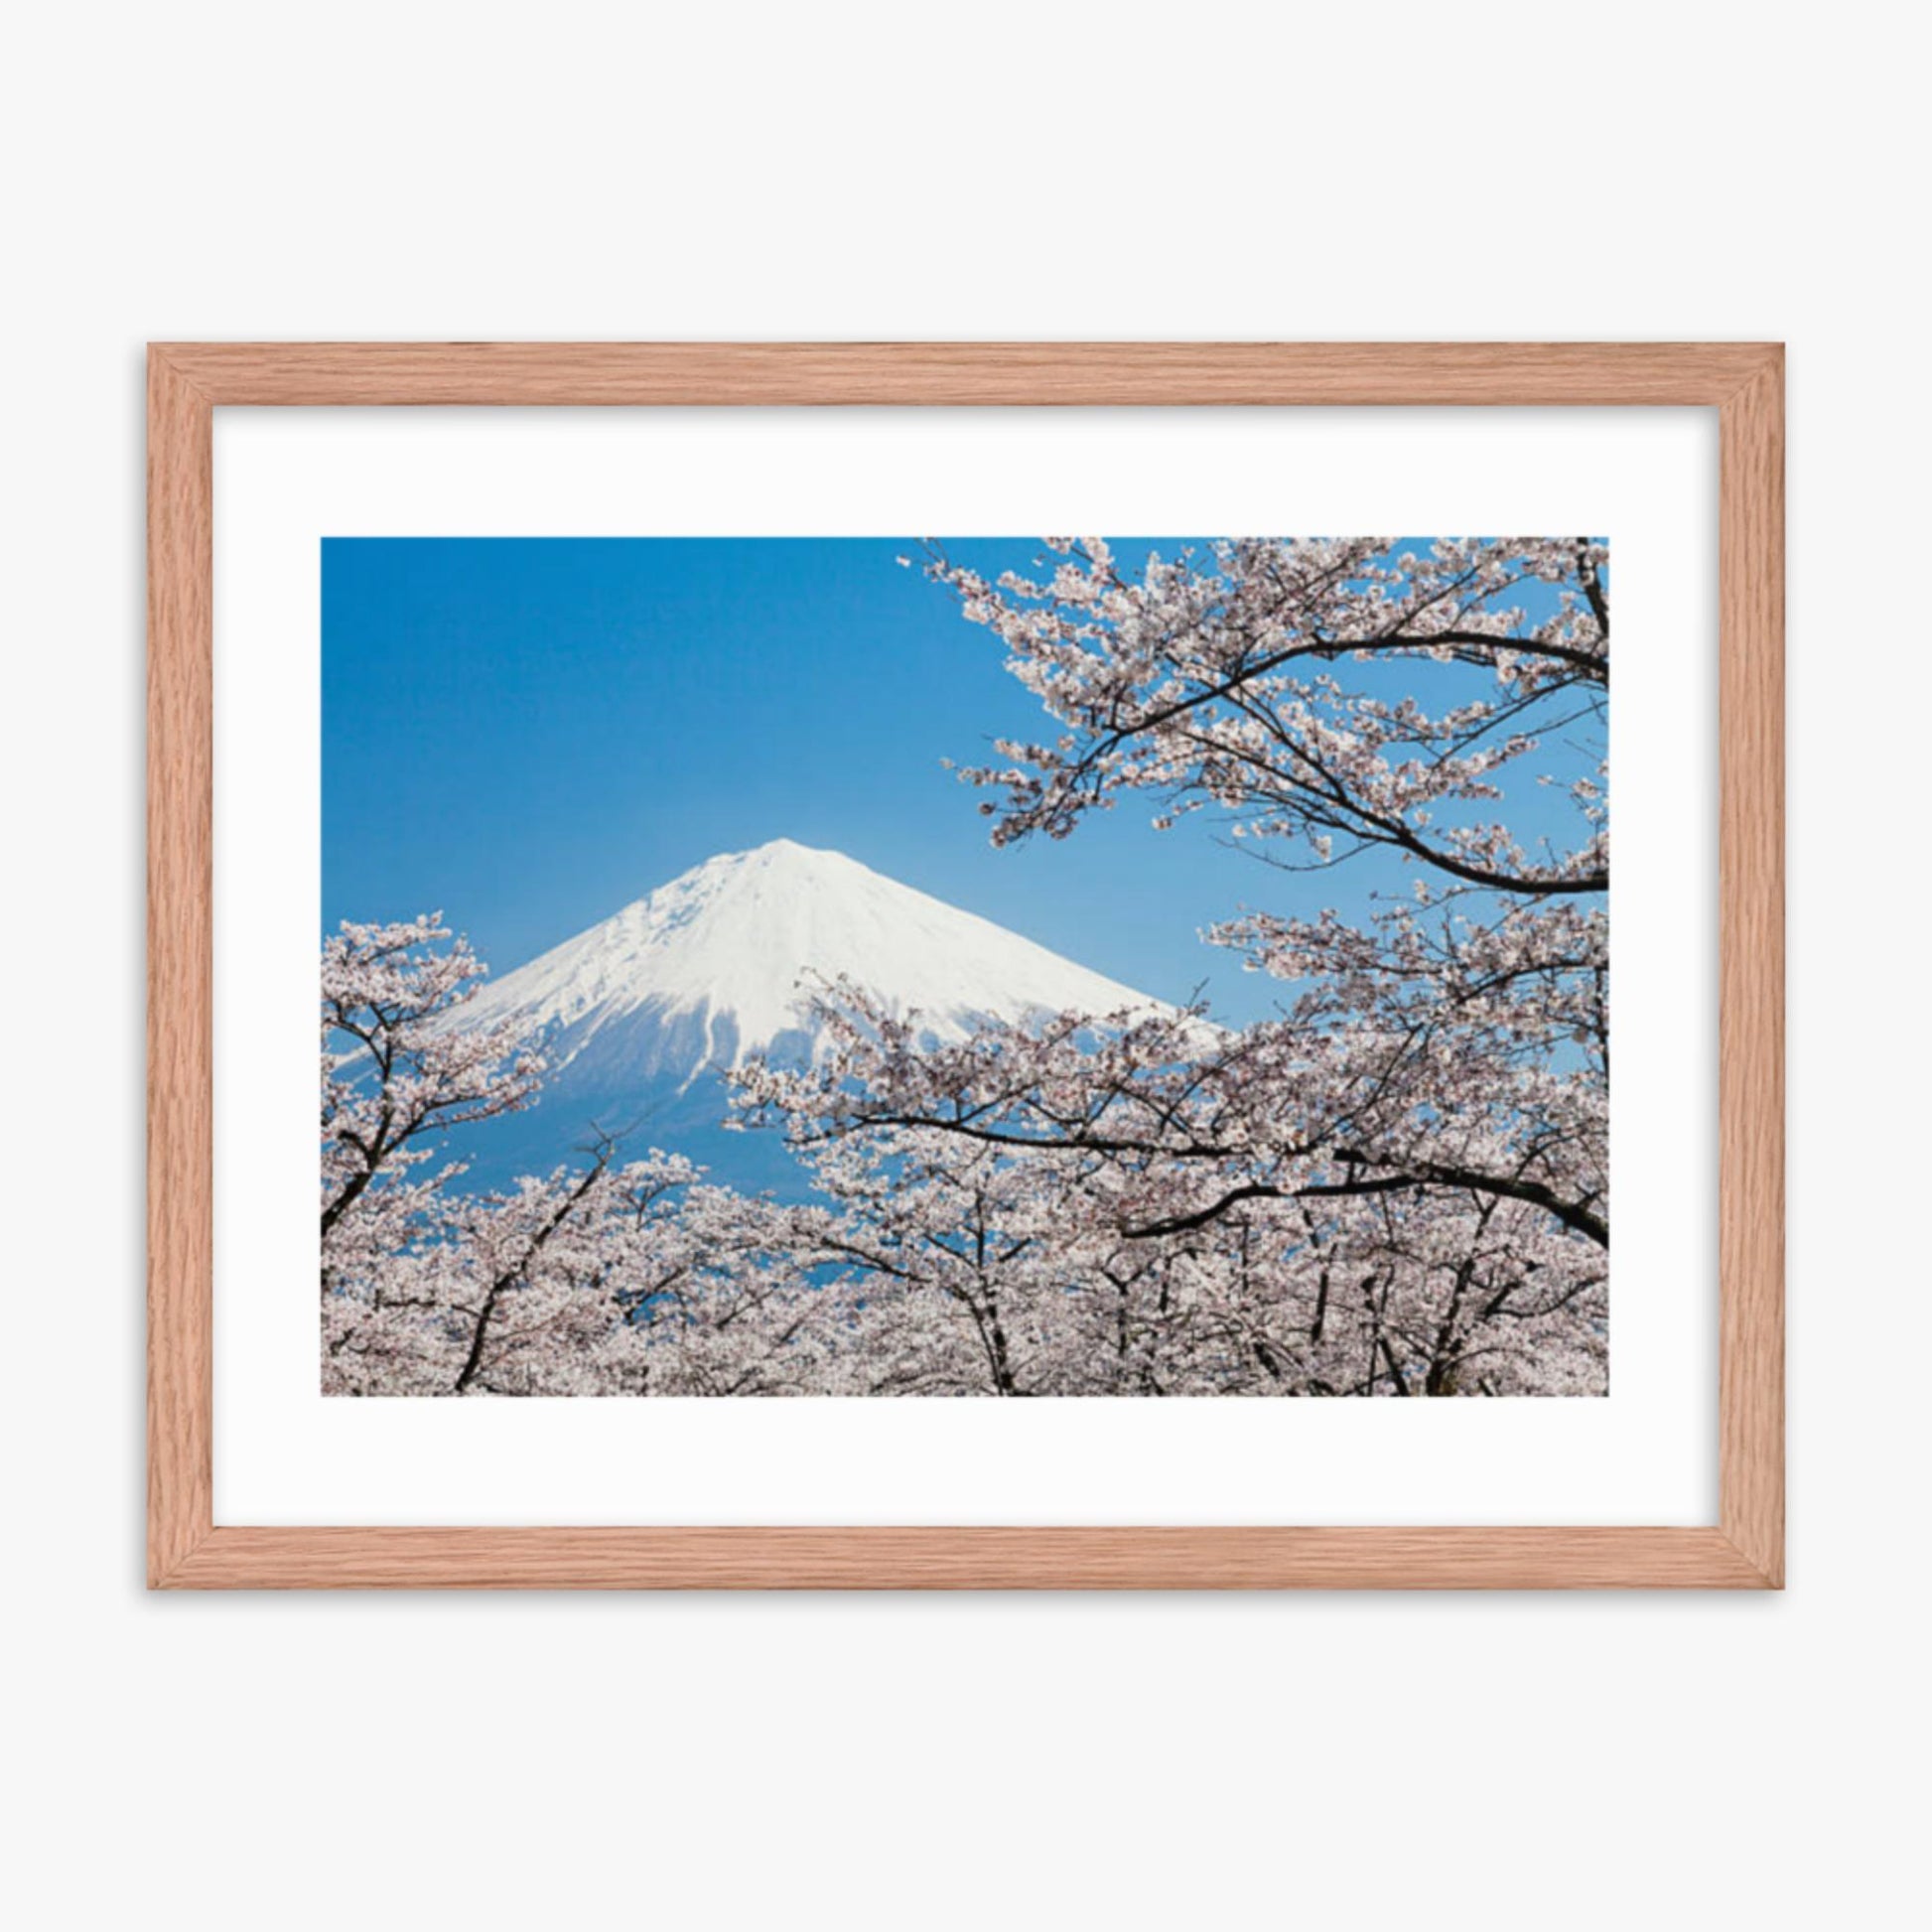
640,1016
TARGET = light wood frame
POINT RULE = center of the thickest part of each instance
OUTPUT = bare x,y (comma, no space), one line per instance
1742,381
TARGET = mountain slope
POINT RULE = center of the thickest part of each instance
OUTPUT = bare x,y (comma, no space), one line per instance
641,1015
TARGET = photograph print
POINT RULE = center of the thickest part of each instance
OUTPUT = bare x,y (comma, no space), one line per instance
1145,966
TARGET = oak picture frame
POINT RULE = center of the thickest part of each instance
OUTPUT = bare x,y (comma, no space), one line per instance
188,381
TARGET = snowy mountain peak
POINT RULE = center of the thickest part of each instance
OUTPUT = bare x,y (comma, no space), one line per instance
719,964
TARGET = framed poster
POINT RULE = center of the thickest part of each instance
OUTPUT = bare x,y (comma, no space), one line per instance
1155,974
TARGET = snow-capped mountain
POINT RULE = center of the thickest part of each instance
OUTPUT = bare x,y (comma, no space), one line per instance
640,1016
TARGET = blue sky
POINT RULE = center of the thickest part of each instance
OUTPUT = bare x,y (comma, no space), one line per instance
530,734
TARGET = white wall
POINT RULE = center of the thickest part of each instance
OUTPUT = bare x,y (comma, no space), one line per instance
832,170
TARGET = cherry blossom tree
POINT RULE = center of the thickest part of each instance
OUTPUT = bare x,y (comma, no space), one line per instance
632,1279
1124,1205
613,1278
1426,1122
1219,681
397,1074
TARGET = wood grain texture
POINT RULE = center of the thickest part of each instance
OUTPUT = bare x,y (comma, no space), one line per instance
925,375
969,1559
1743,1551
181,689
1751,1080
